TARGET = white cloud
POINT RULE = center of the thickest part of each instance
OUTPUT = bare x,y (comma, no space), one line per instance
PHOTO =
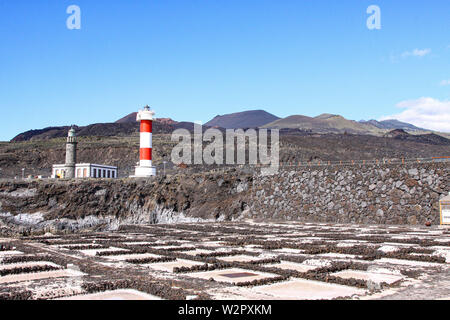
445,83
416,53
425,112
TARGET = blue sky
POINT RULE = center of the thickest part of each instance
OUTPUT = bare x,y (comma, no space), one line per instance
194,59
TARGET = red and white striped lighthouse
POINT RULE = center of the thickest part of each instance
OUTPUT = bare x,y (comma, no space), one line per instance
145,168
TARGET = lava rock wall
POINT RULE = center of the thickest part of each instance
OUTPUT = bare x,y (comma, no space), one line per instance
383,194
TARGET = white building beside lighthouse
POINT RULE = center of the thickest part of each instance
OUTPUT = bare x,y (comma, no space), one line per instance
71,169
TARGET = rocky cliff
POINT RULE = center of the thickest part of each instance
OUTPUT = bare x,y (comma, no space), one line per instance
106,204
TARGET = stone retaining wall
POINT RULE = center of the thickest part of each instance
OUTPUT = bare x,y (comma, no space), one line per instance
384,194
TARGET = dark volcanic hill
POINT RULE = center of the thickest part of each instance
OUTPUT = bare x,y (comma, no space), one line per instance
128,118
324,123
429,138
242,120
46,133
393,124
163,125
397,133
97,129
330,123
131,118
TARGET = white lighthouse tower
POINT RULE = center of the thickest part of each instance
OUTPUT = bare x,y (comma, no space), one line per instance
145,168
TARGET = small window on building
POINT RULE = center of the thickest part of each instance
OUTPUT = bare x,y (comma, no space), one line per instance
85,174
94,174
113,174
78,173
109,174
